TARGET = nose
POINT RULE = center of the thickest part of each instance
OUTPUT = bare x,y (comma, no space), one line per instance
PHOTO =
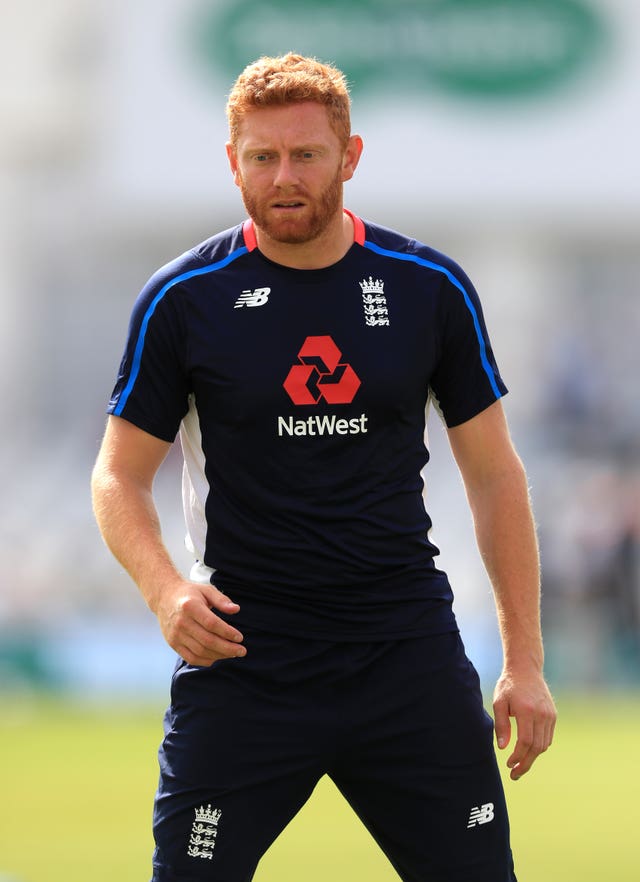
285,174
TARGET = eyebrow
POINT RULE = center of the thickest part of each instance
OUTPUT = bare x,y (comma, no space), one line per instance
264,148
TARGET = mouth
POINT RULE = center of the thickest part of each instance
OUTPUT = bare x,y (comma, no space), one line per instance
289,205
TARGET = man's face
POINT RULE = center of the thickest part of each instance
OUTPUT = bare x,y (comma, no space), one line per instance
290,167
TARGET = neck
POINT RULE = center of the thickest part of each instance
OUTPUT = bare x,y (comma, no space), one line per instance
326,249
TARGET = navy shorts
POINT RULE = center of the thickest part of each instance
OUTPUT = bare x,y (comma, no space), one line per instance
398,726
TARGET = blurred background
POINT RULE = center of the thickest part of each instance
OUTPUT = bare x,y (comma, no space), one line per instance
503,133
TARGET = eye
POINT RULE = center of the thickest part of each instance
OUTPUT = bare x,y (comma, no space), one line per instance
261,156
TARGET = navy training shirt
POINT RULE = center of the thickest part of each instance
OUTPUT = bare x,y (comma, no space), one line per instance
301,398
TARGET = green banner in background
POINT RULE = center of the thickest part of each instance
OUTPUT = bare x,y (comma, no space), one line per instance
483,49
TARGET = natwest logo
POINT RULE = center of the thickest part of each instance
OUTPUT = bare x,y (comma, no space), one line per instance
321,374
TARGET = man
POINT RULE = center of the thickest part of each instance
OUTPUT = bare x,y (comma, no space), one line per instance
295,354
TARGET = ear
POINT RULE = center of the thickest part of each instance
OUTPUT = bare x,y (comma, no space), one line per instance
233,161
351,157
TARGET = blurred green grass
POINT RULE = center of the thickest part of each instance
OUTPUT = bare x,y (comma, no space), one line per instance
77,783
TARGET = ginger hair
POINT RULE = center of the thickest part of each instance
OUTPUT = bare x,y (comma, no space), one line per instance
290,79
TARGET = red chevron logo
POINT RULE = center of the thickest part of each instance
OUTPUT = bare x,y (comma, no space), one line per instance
321,375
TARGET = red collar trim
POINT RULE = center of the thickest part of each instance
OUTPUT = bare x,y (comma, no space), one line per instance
359,234
250,240
249,235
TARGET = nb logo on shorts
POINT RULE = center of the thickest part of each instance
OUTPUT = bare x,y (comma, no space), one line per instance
258,297
481,815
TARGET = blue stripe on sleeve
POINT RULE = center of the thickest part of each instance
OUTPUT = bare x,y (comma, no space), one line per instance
137,357
413,258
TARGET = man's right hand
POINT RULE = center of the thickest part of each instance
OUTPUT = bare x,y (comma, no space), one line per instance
122,487
192,629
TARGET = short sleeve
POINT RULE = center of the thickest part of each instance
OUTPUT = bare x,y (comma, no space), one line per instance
466,379
152,386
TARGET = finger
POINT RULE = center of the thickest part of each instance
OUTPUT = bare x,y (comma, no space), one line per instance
196,658
200,637
502,723
205,658
551,728
213,624
219,638
196,609
523,746
535,740
203,648
220,601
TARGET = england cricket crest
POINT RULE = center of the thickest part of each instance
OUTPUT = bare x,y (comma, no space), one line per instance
204,832
374,303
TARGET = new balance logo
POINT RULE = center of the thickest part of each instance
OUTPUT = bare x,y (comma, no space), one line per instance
481,815
258,297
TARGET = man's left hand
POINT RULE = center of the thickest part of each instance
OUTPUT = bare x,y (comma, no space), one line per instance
526,698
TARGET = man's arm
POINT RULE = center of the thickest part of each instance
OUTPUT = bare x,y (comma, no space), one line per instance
122,488
496,486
